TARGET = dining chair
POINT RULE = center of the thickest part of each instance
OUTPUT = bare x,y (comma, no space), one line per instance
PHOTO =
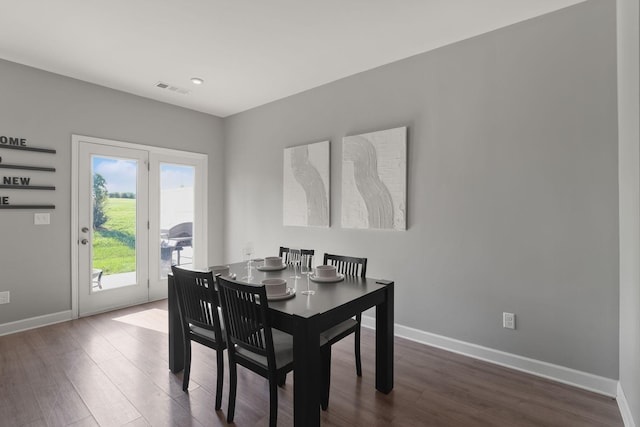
199,316
349,266
253,343
307,255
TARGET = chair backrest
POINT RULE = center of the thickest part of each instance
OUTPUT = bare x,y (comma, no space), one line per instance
197,299
306,254
347,265
244,310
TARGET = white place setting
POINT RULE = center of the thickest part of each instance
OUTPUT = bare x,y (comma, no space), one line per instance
222,270
272,263
326,274
277,289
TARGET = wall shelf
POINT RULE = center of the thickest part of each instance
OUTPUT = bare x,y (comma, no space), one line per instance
22,183
28,168
28,187
38,150
27,206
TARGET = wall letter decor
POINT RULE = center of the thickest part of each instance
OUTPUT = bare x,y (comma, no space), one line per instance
22,182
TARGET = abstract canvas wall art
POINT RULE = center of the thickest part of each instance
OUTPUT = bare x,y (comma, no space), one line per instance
306,185
374,180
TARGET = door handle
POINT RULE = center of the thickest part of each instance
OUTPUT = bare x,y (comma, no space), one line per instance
84,241
85,230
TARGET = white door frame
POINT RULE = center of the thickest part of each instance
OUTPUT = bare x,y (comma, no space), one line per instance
154,152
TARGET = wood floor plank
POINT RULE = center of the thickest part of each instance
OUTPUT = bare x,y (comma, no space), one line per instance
201,405
157,408
60,404
106,403
146,359
111,370
138,422
37,423
18,405
86,422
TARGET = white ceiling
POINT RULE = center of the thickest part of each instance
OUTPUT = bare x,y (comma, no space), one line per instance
249,52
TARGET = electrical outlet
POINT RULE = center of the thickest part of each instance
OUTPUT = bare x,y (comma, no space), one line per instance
4,297
508,320
41,219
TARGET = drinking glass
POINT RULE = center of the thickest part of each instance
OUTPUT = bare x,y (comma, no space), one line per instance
247,253
306,271
294,258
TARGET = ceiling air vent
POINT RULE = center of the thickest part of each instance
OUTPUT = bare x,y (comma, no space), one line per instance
176,89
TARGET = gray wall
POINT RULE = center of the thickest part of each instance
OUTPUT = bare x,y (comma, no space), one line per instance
629,154
47,109
512,185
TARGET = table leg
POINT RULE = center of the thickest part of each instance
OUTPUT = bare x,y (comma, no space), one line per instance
176,340
384,342
306,374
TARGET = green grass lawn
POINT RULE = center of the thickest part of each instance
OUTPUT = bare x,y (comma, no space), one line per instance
114,245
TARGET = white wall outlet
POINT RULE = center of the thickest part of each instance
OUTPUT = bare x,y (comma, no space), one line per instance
4,297
508,320
41,219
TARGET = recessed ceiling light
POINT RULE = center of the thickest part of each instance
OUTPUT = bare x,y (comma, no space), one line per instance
197,81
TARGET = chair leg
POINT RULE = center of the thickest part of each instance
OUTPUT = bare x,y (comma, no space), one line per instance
187,364
325,362
282,379
273,401
220,379
357,348
233,379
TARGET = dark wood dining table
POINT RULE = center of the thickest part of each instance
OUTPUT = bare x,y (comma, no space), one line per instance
305,317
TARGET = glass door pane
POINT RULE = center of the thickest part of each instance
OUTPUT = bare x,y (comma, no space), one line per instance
113,262
177,215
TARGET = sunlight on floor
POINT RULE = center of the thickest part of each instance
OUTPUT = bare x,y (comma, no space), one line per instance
154,319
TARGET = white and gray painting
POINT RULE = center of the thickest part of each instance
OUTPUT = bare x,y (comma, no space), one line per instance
374,180
306,185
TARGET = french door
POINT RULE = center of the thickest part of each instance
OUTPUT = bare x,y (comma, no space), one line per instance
113,246
177,216
137,210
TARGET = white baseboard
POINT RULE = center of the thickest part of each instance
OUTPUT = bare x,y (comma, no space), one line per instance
34,322
625,411
584,380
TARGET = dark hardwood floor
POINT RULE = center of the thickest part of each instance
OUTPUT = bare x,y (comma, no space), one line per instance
111,370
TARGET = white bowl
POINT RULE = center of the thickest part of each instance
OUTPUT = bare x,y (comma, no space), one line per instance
222,270
326,271
275,287
273,261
